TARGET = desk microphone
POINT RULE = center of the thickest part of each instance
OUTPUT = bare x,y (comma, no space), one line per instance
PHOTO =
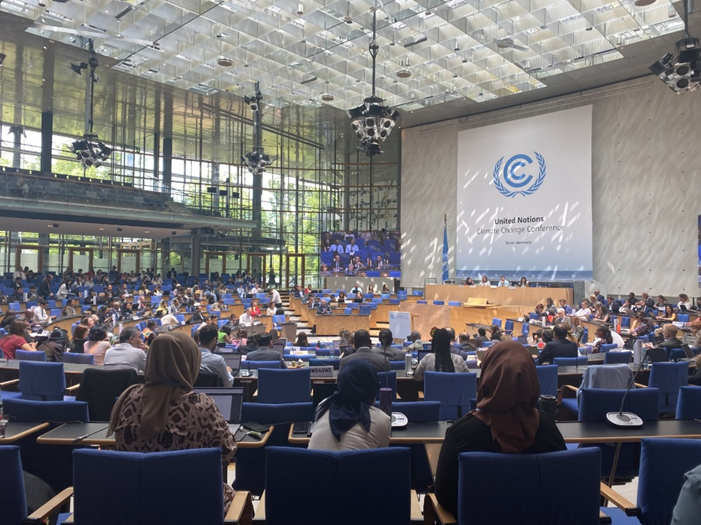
247,372
622,419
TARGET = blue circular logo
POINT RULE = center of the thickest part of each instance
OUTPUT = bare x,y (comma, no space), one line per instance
515,182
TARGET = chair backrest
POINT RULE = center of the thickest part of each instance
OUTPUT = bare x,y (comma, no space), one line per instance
540,489
453,390
397,365
13,502
100,388
669,378
608,348
205,379
284,386
625,356
668,460
418,411
595,403
42,381
30,355
332,484
613,377
547,375
150,485
496,321
79,359
29,410
571,361
689,403
391,381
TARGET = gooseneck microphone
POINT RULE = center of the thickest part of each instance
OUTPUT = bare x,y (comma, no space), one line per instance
622,419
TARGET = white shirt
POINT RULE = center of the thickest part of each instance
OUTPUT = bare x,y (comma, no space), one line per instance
275,297
62,292
126,355
40,315
245,318
583,312
271,311
18,274
503,283
356,438
485,283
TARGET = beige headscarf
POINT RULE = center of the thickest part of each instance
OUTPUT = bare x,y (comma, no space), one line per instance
172,366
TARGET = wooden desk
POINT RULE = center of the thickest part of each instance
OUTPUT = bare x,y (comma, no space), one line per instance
15,431
506,296
97,435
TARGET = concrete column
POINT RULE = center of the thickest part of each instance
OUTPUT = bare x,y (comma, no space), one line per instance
195,252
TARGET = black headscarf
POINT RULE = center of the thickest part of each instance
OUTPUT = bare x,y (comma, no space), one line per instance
350,404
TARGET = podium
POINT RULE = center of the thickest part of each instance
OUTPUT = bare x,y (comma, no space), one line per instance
288,330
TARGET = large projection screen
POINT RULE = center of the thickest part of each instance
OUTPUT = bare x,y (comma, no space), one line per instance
524,198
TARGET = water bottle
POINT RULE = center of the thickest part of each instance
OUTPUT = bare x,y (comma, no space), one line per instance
407,363
2,422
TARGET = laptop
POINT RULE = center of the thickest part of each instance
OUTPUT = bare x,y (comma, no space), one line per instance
480,354
427,346
523,339
229,401
233,361
280,349
422,353
322,391
689,354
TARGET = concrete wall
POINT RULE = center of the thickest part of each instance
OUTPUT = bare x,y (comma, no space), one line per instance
646,178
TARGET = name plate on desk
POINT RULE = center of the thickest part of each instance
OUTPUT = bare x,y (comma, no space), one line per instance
322,371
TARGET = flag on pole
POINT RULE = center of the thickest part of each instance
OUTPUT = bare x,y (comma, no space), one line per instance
445,249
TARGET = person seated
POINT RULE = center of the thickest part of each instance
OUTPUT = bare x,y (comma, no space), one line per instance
97,343
385,288
523,283
246,318
560,316
584,312
576,329
481,337
485,281
363,351
603,337
565,306
14,340
506,420
496,333
684,305
558,347
441,359
416,343
641,325
165,414
324,308
386,349
348,419
669,332
255,309
209,362
150,332
358,291
265,351
465,343
688,506
469,282
503,282
131,350
271,310
602,313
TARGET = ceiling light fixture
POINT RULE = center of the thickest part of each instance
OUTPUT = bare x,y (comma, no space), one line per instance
90,151
225,61
372,122
257,160
683,71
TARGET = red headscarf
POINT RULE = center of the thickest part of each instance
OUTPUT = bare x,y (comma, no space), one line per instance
507,396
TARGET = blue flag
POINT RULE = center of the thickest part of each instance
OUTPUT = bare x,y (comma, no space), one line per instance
445,251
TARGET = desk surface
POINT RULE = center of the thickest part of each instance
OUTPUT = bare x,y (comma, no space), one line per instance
572,431
15,431
97,435
68,368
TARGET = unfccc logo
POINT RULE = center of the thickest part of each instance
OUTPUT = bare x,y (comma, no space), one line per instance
518,183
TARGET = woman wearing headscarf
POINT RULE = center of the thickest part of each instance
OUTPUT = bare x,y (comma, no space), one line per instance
506,419
165,414
348,420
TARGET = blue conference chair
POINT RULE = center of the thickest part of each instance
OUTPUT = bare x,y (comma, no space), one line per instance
257,365
595,403
42,381
625,356
151,488
496,321
439,303
530,480
607,348
689,403
13,502
250,462
388,379
330,484
454,303
669,378
454,392
547,375
581,360
78,359
30,355
397,365
509,327
284,386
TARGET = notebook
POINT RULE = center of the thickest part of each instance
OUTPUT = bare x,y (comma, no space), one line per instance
229,401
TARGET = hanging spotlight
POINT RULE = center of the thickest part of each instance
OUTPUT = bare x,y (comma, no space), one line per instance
683,71
372,122
257,160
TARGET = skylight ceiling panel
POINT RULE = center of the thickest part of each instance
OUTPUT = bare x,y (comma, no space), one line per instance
657,13
279,39
261,47
250,27
584,37
564,55
453,13
137,31
621,25
550,45
443,32
169,12
606,14
573,25
194,53
103,21
204,26
152,54
477,22
523,23
191,76
509,10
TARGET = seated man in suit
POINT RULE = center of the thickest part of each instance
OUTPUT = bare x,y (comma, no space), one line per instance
669,331
363,350
559,347
265,351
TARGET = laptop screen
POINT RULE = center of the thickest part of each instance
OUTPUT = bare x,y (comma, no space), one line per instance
523,339
229,401
280,349
423,353
322,391
232,360
688,352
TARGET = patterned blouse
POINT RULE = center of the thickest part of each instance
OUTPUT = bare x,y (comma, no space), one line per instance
193,422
